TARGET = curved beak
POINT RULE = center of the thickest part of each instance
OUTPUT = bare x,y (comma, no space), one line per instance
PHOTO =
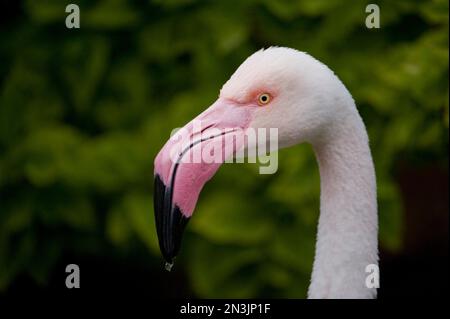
170,222
187,161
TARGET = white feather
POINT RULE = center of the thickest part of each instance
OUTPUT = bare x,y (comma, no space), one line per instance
312,105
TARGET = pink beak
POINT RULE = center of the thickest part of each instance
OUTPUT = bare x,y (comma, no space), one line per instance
187,161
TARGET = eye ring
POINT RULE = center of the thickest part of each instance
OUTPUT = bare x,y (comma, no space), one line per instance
264,99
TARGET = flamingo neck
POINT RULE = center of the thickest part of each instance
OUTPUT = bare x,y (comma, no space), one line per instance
348,223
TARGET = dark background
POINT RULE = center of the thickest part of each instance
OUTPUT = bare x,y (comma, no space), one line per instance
83,113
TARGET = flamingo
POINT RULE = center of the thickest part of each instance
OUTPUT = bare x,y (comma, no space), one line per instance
289,90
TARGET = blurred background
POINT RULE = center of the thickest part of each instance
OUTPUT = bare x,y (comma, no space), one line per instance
83,113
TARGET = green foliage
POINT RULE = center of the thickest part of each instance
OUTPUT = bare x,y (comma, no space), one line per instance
84,112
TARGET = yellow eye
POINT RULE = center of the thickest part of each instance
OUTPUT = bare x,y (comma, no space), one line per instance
264,98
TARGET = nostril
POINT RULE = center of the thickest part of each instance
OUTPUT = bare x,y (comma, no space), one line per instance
207,127
194,133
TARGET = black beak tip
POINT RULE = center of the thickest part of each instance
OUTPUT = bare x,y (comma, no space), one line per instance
170,221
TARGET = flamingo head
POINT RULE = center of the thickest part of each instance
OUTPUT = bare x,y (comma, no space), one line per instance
274,88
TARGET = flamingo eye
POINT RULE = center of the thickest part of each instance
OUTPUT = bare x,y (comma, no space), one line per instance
263,99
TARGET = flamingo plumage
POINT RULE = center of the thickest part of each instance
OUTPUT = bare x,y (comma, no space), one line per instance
289,90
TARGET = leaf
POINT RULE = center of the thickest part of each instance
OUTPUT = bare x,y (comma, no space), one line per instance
134,214
218,271
223,218
112,14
